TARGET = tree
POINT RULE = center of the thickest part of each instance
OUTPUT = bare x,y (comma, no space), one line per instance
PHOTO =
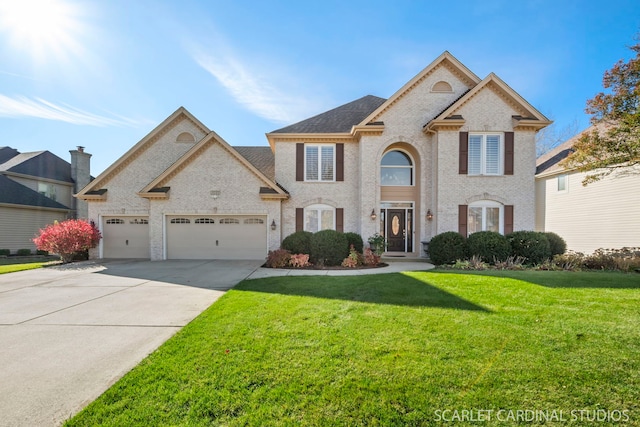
67,238
613,143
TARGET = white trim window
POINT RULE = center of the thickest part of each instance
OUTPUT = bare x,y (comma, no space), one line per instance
563,181
319,217
485,215
486,154
396,168
319,162
47,190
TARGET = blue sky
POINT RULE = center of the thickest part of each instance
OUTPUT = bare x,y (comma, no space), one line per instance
102,74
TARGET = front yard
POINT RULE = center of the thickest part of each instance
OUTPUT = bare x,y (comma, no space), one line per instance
420,348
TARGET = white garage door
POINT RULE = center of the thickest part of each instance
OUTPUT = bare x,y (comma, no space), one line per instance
125,237
216,237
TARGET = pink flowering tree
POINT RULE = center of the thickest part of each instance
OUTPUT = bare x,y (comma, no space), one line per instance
68,237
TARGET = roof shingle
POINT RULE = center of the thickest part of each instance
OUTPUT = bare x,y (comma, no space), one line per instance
338,120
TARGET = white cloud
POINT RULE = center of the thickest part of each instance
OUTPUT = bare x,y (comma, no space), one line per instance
256,92
22,106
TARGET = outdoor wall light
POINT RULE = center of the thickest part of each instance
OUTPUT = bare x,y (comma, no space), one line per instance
429,215
273,225
373,215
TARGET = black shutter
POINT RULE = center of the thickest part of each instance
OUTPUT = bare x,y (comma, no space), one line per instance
464,153
508,219
300,161
299,219
462,220
339,162
508,153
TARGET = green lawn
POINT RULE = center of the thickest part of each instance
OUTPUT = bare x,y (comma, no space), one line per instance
10,268
418,348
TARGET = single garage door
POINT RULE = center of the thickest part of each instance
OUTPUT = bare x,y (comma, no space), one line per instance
216,237
125,237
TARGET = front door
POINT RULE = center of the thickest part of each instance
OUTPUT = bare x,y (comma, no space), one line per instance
396,231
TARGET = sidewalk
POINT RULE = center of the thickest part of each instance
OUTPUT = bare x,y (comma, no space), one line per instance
392,267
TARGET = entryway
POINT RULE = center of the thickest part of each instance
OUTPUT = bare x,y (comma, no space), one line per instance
396,223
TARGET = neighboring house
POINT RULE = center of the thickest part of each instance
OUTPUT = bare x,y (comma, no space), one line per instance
37,189
447,151
603,214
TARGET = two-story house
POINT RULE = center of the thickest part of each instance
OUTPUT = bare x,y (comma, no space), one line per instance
37,189
447,151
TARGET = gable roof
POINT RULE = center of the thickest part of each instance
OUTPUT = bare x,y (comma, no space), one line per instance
529,116
140,147
14,193
41,164
338,120
158,189
445,59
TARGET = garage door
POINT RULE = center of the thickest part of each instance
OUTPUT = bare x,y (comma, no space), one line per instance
125,237
216,237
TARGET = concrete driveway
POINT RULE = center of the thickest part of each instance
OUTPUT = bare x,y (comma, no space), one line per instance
67,333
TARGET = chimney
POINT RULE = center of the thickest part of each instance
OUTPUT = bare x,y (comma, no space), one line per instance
80,167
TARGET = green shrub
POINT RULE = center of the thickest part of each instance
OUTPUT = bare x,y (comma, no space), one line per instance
356,240
447,248
556,243
278,259
298,242
328,247
533,246
489,246
39,252
23,252
5,252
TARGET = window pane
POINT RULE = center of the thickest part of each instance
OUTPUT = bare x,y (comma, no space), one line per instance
327,163
475,150
396,176
311,221
396,158
312,163
326,220
493,219
474,223
562,182
492,161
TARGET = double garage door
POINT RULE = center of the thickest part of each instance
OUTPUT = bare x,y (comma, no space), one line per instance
216,237
189,237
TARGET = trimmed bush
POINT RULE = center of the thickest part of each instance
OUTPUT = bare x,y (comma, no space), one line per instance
278,259
447,248
356,240
23,252
533,246
5,252
489,246
556,243
298,242
328,247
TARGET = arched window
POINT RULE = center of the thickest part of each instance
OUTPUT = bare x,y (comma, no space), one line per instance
185,137
396,168
485,215
441,86
319,217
